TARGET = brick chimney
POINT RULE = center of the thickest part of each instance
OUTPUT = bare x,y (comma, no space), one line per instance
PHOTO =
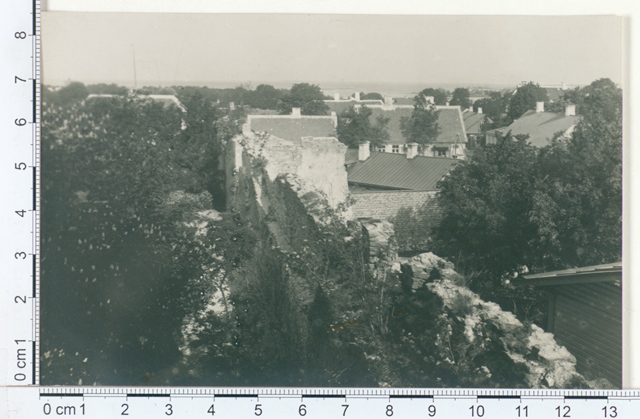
480,109
412,150
334,118
539,107
232,106
388,100
570,110
295,112
336,96
357,96
363,151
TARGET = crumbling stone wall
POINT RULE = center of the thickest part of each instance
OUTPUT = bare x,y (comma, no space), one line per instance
385,205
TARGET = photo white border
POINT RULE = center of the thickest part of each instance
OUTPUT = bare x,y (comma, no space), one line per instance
627,8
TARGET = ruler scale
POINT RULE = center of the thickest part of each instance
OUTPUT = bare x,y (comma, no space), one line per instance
324,403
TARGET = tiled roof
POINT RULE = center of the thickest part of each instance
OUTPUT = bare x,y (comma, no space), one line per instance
342,105
396,171
403,101
293,128
473,122
449,120
541,126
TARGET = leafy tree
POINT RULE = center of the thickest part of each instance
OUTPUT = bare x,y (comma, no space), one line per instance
422,126
510,206
264,97
602,101
461,98
485,206
578,203
355,127
525,99
439,95
70,94
109,89
308,97
495,107
371,96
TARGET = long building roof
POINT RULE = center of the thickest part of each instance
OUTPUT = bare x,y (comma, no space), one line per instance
450,123
293,128
540,126
396,171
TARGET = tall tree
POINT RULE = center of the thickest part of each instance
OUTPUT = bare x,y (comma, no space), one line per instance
264,97
578,202
461,98
525,99
357,126
308,97
422,126
495,107
561,206
371,96
439,95
485,206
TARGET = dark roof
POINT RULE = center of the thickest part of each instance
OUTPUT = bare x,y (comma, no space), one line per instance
396,171
293,128
342,105
449,120
595,273
541,126
473,122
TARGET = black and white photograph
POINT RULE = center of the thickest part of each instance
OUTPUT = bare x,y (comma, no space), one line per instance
332,200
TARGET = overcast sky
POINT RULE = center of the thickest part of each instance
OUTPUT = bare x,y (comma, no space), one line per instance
185,49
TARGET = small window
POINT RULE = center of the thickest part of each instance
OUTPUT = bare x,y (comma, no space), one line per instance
395,148
440,151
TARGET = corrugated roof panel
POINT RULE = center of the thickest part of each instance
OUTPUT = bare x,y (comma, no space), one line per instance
396,171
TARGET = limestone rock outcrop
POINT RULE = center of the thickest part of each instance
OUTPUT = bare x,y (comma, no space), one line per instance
482,324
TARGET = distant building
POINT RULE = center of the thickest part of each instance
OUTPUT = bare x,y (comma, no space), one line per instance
339,105
541,126
451,142
473,122
585,315
555,93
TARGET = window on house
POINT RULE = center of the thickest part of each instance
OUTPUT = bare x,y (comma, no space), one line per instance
395,148
381,149
440,151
